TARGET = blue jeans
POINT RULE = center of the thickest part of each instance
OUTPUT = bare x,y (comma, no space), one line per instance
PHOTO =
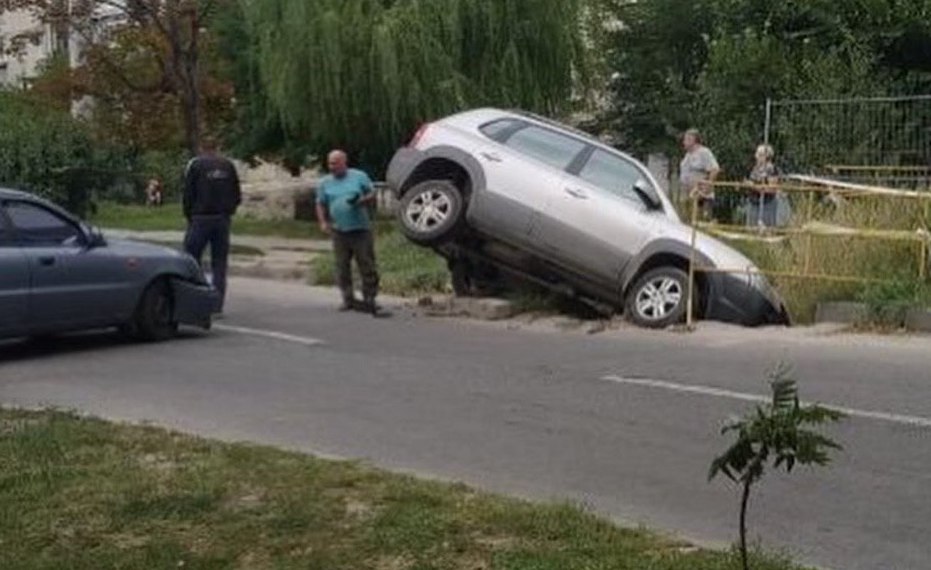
215,231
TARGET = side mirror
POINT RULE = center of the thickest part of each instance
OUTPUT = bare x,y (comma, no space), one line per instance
95,238
646,194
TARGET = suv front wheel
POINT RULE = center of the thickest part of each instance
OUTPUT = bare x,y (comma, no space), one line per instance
659,298
431,212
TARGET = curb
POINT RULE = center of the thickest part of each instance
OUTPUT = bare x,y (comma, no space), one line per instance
915,319
480,308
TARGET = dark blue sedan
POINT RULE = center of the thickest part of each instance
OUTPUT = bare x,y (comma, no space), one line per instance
57,274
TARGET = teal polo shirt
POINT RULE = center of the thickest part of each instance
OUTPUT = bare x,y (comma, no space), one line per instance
334,193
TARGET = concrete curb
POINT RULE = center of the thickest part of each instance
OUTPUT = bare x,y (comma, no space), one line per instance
481,308
845,313
849,313
918,320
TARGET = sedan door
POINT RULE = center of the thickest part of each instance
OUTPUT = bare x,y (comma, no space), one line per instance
72,285
14,283
522,171
597,223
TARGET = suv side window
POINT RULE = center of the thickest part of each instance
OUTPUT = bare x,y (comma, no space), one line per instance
546,146
38,227
500,130
613,174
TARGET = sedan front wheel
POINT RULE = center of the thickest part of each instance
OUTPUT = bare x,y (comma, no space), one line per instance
154,320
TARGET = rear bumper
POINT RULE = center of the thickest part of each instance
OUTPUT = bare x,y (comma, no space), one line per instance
194,303
402,165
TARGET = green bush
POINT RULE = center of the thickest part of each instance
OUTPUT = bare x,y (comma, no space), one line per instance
888,302
45,151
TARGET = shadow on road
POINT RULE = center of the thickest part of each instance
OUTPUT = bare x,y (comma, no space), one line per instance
62,345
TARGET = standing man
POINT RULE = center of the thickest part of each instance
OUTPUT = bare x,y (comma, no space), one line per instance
343,199
211,196
698,172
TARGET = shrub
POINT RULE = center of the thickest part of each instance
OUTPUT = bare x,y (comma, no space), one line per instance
43,150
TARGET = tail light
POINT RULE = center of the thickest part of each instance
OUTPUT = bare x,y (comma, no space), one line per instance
419,135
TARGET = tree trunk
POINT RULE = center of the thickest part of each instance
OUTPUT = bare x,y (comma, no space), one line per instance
743,524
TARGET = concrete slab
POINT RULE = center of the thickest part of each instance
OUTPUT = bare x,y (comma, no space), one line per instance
481,308
918,319
841,312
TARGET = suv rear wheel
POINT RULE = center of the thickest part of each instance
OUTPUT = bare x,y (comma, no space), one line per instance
659,298
432,212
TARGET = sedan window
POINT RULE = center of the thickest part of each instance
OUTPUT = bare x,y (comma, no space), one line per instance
546,146
37,227
613,174
6,237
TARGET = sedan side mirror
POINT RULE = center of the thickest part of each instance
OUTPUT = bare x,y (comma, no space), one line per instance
646,194
95,238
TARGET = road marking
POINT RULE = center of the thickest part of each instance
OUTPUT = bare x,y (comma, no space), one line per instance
274,335
915,421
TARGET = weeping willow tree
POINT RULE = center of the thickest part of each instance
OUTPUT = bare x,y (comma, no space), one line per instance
362,74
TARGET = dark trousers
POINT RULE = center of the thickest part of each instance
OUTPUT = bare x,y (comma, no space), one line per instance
360,246
213,231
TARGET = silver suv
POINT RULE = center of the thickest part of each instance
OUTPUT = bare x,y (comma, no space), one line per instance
509,192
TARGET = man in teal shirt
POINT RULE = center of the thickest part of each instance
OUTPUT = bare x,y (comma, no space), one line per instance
343,201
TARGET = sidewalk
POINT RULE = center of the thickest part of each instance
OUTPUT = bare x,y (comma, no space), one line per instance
284,259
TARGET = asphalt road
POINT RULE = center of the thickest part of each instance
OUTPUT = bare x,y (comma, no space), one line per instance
625,422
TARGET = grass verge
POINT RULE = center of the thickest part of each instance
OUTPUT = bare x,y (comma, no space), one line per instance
890,268
85,494
169,218
406,269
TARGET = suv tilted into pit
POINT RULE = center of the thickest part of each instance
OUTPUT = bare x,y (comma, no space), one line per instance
501,191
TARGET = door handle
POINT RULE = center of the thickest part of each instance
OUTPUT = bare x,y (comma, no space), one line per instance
578,194
491,157
47,261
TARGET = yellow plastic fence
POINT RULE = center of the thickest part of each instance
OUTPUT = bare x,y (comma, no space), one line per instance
809,227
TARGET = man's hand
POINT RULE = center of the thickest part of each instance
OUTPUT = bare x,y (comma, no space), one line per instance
326,228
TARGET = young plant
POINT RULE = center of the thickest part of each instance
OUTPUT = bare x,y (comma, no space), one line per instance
774,434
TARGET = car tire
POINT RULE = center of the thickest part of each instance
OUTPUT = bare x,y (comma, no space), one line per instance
659,298
154,319
432,212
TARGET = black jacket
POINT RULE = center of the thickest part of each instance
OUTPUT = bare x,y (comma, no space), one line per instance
211,187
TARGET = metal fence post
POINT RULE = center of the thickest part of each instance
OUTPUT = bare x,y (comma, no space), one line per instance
767,127
690,308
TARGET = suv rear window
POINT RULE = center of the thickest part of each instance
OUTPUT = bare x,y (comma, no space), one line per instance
546,146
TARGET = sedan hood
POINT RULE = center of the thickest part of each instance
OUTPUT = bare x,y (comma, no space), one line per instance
142,249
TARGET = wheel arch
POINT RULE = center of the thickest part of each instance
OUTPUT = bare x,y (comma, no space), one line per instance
447,163
667,254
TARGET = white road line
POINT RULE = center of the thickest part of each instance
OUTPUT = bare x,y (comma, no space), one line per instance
274,335
915,421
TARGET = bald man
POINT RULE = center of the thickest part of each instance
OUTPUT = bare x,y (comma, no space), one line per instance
343,201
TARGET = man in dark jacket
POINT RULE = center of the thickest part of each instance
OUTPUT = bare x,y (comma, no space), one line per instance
211,196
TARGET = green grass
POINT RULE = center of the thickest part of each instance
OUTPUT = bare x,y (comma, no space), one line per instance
169,218
85,494
405,269
894,262
235,249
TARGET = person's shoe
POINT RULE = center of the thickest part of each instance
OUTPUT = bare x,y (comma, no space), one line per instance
348,305
369,306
